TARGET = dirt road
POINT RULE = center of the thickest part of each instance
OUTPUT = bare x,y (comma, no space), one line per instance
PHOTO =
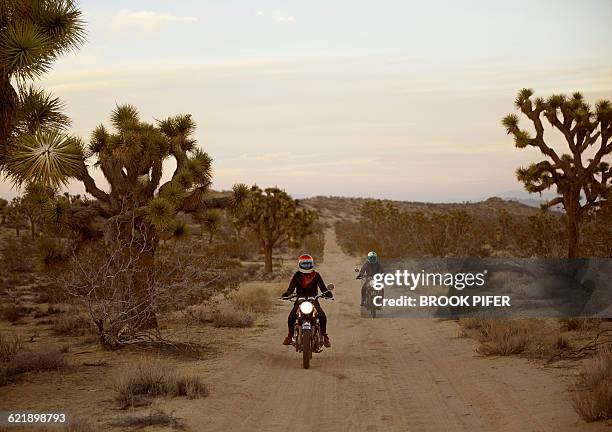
380,375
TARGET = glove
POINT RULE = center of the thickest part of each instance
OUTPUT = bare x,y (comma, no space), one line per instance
285,295
328,294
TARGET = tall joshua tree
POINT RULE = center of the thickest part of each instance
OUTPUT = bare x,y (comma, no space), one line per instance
137,208
580,184
33,34
276,219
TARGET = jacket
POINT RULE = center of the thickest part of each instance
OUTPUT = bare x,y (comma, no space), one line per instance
306,285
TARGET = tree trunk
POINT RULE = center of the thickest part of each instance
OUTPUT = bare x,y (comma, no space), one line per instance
8,106
268,259
32,228
573,225
573,230
210,237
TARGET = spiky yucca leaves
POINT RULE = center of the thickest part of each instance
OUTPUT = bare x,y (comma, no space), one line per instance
48,157
210,221
33,34
39,109
178,230
161,213
580,186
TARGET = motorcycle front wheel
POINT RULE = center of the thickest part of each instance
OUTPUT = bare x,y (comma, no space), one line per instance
306,349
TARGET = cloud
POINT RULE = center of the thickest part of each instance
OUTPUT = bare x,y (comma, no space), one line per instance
148,20
278,17
284,18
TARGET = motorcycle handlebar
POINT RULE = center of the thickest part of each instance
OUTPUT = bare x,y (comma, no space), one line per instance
318,296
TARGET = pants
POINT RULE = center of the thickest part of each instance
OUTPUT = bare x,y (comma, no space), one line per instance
293,317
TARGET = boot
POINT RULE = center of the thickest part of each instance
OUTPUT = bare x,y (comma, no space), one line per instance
287,340
326,342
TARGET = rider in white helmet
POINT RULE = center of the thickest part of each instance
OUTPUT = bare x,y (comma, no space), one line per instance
369,268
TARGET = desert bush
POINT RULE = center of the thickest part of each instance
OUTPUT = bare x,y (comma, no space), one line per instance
183,274
472,323
48,359
77,424
50,310
146,379
502,337
593,398
579,324
191,387
228,316
80,424
17,255
154,418
14,313
10,345
73,324
253,299
382,226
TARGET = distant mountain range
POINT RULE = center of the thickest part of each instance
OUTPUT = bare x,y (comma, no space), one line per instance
532,200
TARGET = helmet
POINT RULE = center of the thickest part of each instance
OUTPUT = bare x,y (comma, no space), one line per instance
305,263
372,257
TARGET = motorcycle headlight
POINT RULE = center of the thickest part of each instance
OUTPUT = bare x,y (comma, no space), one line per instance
306,307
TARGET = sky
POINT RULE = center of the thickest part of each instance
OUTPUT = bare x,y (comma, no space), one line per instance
391,99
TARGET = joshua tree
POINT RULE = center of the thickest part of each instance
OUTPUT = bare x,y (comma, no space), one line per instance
34,203
210,221
276,218
3,210
136,211
580,185
33,34
237,216
15,214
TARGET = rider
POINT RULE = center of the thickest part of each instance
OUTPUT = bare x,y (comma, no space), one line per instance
369,268
306,282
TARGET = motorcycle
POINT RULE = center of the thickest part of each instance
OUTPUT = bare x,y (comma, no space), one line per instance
370,293
307,337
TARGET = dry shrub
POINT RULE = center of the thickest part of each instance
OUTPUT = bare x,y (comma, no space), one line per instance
154,418
73,324
17,255
579,324
13,312
10,345
561,343
48,359
80,424
139,383
191,387
472,323
593,398
228,316
502,337
51,310
253,299
77,424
